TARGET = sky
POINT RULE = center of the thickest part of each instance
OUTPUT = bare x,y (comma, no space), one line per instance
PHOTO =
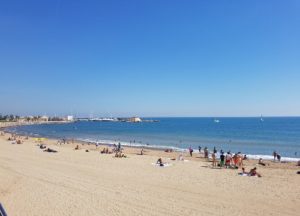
150,58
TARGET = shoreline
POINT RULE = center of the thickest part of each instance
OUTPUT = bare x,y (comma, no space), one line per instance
158,151
134,145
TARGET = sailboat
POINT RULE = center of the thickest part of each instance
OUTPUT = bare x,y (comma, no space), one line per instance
261,118
216,120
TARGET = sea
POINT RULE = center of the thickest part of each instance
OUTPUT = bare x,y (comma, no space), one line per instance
256,137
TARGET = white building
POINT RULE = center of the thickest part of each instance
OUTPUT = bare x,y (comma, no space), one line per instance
135,119
70,118
44,118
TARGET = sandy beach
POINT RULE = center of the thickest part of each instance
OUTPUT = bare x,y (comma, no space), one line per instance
76,182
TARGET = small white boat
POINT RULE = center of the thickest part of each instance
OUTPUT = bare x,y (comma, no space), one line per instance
216,120
261,118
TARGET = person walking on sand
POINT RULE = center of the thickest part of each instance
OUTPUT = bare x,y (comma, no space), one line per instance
191,151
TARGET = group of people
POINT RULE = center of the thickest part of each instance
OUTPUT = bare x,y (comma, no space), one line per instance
45,149
16,139
252,172
105,151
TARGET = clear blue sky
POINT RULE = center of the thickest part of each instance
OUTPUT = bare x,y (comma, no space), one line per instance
150,57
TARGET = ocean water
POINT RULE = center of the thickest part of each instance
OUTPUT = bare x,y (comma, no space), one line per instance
248,135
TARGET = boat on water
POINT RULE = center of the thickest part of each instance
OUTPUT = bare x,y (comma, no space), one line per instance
216,120
261,118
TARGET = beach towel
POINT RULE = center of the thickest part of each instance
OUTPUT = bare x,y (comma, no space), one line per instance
165,164
244,174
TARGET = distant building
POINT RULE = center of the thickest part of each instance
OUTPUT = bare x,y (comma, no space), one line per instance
44,118
22,119
70,118
135,119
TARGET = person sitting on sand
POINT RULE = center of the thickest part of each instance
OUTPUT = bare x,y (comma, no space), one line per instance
77,147
254,173
168,150
103,151
159,162
142,152
180,158
19,142
299,163
119,154
260,162
42,146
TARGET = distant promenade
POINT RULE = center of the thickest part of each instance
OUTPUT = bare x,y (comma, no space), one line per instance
5,124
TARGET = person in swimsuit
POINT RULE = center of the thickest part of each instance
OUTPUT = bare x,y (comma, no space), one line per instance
159,162
254,173
214,161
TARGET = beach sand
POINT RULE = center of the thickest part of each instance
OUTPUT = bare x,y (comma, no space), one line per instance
33,182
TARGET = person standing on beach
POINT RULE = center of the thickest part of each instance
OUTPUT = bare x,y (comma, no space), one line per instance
214,161
274,155
205,152
215,150
278,157
199,147
191,151
228,159
222,159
